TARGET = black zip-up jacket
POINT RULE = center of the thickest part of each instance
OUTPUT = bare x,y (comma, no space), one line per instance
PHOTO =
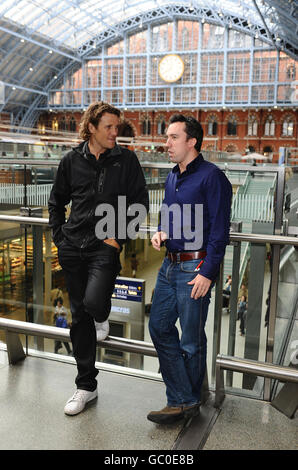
87,183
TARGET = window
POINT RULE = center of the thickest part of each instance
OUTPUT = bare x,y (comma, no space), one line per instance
213,36
288,127
211,68
212,127
231,148
146,127
72,125
161,127
232,126
291,72
62,124
252,128
269,126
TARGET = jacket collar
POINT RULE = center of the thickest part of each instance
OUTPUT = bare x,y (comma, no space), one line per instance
83,149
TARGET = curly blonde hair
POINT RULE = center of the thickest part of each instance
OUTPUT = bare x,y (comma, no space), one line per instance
93,115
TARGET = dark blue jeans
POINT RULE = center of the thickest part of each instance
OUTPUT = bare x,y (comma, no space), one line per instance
182,360
90,278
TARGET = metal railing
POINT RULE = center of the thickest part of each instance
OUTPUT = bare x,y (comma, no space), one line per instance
264,369
15,349
276,241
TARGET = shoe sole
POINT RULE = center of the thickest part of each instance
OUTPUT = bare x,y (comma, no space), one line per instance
195,411
158,419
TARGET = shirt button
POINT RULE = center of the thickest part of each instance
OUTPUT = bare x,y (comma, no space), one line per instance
176,189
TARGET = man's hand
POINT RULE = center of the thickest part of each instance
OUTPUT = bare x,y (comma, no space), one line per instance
201,286
112,241
157,239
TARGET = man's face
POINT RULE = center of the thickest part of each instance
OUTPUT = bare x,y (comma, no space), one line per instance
177,144
104,136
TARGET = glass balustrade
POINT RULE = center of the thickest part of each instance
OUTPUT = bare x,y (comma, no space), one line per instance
31,278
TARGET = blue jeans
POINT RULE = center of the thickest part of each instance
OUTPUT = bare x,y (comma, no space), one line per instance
182,361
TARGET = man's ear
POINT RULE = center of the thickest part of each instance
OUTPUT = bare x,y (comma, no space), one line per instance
91,128
192,142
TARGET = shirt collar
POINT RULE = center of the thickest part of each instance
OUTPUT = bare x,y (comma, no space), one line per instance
192,166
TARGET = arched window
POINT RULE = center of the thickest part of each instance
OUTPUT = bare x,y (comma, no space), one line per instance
231,148
252,127
55,124
62,124
232,126
161,127
291,72
269,126
267,151
72,124
288,127
146,127
185,38
212,127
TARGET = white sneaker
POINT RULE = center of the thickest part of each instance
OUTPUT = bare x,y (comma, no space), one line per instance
102,330
77,402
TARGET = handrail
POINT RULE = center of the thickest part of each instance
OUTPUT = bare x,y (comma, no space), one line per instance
248,366
63,334
234,236
227,166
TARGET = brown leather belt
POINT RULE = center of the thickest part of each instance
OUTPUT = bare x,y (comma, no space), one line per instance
186,256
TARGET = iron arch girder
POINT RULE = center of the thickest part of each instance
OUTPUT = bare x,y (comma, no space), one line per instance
159,15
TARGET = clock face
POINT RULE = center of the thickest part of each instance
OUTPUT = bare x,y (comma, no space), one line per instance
171,68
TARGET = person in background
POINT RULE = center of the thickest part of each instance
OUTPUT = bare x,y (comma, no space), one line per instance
134,264
60,320
241,314
226,294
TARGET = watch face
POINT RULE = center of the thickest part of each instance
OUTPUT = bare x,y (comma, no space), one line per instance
171,68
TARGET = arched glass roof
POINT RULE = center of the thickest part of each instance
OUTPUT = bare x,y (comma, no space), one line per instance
74,22
41,38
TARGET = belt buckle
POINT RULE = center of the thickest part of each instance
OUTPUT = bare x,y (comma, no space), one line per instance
178,257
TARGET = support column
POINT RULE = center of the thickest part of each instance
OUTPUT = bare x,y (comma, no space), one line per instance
48,277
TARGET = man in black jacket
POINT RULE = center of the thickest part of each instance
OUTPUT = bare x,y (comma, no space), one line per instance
101,180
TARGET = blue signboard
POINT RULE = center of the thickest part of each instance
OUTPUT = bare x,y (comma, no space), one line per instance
128,289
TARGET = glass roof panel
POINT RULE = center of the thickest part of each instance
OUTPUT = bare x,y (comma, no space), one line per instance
60,20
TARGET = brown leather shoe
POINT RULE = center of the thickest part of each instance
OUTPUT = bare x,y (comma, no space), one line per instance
170,414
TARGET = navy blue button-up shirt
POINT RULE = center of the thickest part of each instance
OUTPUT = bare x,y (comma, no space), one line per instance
199,200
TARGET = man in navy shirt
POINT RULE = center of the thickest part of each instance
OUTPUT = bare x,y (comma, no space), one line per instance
194,225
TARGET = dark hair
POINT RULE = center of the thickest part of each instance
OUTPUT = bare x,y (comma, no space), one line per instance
93,115
193,128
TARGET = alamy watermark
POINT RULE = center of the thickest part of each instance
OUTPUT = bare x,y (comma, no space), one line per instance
178,221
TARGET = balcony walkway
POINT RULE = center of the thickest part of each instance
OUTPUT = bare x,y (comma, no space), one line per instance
34,391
